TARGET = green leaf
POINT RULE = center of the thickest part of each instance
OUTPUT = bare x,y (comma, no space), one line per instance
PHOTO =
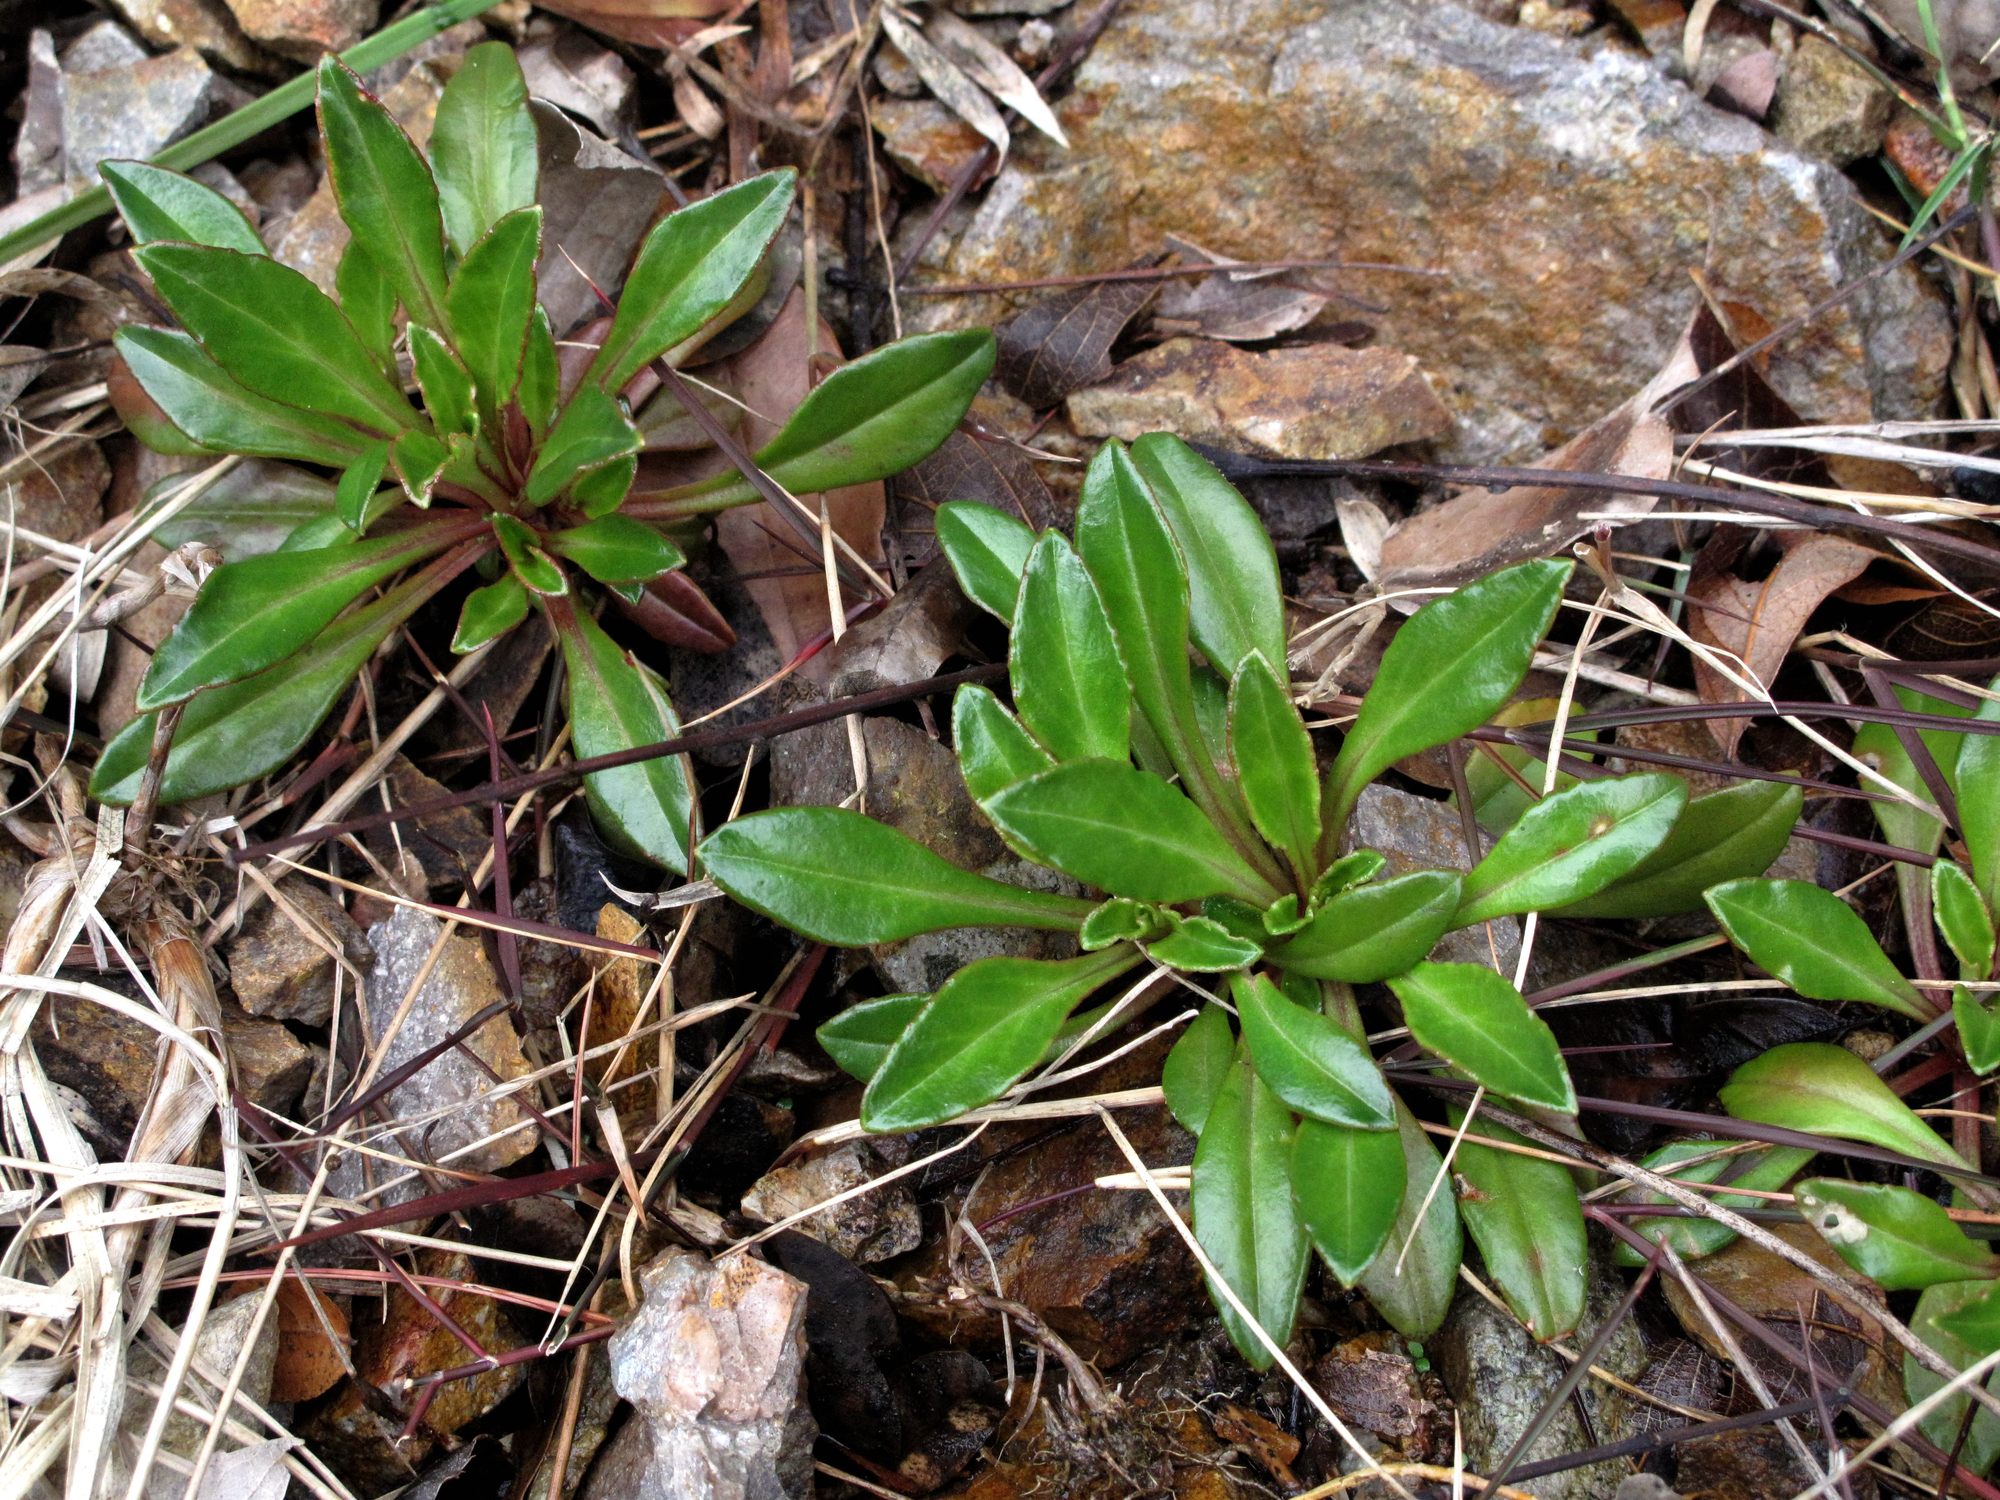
1348,1185
1480,640
592,431
860,1037
1900,1240
1235,604
385,191
616,549
690,268
1309,1062
1978,791
880,414
1877,745
1976,1321
1122,920
445,382
990,1023
1197,945
994,751
1122,830
1273,756
1978,1030
483,146
523,549
1350,870
1813,941
1413,1292
490,613
1373,932
1197,1067
844,879
491,302
1475,1020
276,333
1764,1169
233,734
1244,1220
648,808
160,205
1572,845
1524,1215
988,550
1827,1090
353,498
210,406
1941,1312
540,375
1726,835
1284,916
248,511
369,303
1963,918
418,458
1498,800
1069,685
253,613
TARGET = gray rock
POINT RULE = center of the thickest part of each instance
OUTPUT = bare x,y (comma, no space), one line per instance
205,25
1565,190
117,102
305,28
1417,833
1829,106
869,1227
1501,1379
216,1346
714,1362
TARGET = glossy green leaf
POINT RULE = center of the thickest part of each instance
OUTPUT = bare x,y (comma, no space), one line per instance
1413,1291
845,879
987,1026
878,415
445,382
353,498
386,194
1978,789
1273,756
1764,1169
248,511
599,491
369,302
860,1037
1524,1215
1727,835
1877,745
251,614
1827,1090
615,549
418,459
1350,870
1284,916
276,333
540,375
1244,1218
1476,1021
483,145
988,550
1197,945
220,414
994,751
1963,918
1573,844
689,268
157,204
1897,1238
1975,1321
1197,1067
648,808
1122,830
491,301
490,613
1373,932
1498,799
1309,1062
534,567
1978,1030
1069,685
1813,941
592,431
1941,1310
1348,1185
1235,603
1122,920
233,734
1480,640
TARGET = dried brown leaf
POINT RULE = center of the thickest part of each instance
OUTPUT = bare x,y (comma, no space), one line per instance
308,1363
1062,343
908,640
995,472
1241,307
993,70
945,79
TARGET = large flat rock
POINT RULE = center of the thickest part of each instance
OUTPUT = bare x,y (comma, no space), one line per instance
1567,189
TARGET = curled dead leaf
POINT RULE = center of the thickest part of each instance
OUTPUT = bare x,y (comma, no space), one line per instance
308,1360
